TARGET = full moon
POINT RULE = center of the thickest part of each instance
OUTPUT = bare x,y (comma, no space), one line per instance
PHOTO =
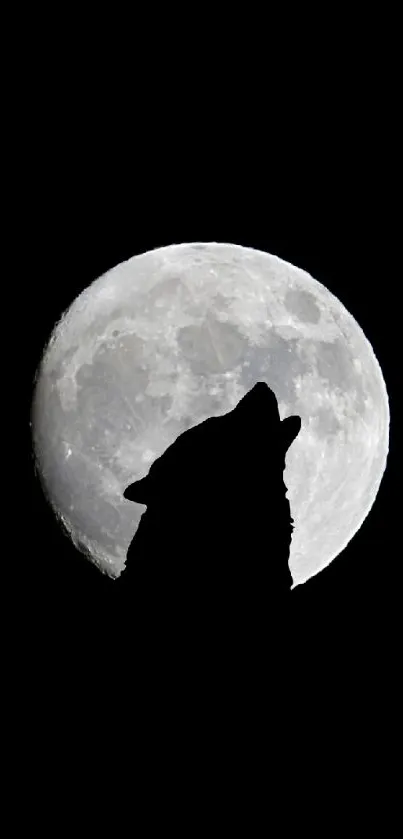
179,334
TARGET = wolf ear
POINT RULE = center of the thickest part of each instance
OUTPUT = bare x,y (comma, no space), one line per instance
290,428
139,491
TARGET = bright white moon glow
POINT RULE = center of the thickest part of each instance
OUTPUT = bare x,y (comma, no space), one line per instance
181,333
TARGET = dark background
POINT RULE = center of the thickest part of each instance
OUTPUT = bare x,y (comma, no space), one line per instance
283,141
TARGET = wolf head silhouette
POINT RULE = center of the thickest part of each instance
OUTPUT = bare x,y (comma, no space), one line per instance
252,429
217,513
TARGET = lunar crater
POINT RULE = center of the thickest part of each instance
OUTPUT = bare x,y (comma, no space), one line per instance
302,304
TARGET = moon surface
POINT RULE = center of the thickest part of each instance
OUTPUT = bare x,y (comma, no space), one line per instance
175,335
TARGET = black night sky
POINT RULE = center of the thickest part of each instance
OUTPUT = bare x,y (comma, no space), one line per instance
263,146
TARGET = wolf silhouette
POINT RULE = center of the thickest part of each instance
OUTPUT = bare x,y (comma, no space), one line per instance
213,544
